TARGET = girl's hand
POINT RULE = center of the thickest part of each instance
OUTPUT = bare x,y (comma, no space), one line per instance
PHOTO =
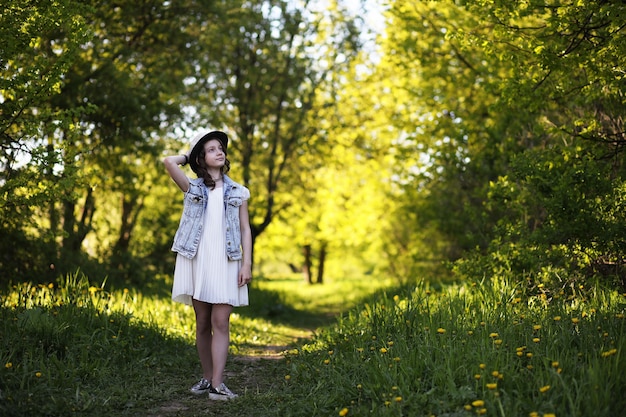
245,275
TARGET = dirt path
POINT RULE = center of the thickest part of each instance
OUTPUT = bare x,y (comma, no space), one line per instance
249,375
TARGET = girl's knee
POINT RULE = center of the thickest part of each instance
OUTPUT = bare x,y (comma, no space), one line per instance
221,325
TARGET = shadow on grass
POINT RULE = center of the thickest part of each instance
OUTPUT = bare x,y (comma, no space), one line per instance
76,360
273,307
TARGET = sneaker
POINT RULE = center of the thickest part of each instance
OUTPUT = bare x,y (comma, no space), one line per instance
201,387
221,393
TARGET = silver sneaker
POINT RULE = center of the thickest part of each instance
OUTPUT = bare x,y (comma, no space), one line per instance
201,387
221,393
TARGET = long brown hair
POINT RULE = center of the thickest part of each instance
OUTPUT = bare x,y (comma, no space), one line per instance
204,174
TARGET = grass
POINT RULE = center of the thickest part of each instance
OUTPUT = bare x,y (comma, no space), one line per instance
486,348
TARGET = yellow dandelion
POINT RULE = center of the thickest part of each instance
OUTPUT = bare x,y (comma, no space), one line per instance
383,350
470,332
482,366
477,376
343,412
497,342
441,330
387,403
8,365
481,411
287,377
394,388
396,298
529,367
536,340
38,374
359,386
396,359
575,320
519,353
620,316
493,335
545,388
557,318
492,385
495,374
359,349
537,327
608,353
549,415
398,399
326,361
533,414
478,403
555,364
529,355
330,352
390,343
467,407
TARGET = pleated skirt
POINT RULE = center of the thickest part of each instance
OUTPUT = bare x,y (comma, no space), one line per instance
210,277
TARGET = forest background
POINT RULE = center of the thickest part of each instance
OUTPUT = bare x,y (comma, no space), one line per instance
459,138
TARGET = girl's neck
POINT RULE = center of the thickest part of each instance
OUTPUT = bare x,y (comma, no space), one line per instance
217,176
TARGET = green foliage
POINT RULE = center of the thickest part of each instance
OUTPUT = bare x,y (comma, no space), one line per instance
265,78
491,347
68,349
77,347
562,222
488,349
514,159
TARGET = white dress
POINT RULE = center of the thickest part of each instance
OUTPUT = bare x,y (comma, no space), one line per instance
210,276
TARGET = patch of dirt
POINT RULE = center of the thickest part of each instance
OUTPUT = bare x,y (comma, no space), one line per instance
247,374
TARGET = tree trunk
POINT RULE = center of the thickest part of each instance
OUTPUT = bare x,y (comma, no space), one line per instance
76,231
322,260
306,269
130,212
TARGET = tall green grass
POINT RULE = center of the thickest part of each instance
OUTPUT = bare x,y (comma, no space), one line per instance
72,348
75,348
486,349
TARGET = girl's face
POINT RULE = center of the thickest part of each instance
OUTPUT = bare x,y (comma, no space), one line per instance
214,155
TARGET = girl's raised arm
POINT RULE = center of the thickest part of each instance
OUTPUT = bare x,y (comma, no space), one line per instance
172,164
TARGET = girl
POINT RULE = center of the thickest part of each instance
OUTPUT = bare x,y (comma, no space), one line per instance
213,245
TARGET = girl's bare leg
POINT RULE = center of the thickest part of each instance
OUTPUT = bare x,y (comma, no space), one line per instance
220,321
204,337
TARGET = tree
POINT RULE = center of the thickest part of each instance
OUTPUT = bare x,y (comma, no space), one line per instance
262,81
505,88
39,43
109,88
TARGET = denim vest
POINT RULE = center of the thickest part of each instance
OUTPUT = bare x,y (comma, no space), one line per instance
187,237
